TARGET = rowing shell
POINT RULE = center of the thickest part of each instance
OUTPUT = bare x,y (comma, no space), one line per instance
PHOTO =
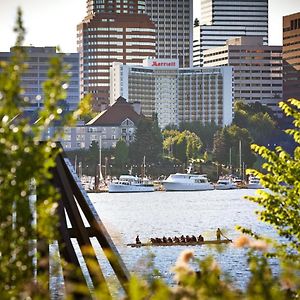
211,242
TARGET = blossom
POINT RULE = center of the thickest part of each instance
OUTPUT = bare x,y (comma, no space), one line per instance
242,241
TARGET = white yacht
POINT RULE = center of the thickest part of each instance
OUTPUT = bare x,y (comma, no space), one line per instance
130,184
225,184
253,183
187,182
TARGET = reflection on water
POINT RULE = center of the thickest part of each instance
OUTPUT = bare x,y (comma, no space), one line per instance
175,213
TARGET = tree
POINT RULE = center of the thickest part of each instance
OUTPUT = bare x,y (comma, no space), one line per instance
257,118
25,171
281,203
182,146
229,138
147,142
204,131
121,154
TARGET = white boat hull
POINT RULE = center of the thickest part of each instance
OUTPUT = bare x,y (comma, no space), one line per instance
254,186
225,187
178,186
121,188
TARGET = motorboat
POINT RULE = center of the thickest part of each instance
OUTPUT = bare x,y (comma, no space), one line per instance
253,183
187,182
130,184
225,184
239,183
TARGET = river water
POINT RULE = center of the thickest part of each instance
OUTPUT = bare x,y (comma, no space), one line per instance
161,214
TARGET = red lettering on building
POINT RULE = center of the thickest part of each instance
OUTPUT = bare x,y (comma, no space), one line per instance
163,64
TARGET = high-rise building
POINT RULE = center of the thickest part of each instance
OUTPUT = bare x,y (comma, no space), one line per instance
224,19
176,94
174,25
115,6
291,56
257,69
112,31
38,62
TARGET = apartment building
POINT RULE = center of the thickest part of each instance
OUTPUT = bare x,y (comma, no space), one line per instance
38,63
257,69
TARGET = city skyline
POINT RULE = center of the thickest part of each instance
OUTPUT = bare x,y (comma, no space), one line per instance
41,31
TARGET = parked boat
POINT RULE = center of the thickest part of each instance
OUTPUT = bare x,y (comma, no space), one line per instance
208,242
254,183
225,184
130,184
187,182
239,183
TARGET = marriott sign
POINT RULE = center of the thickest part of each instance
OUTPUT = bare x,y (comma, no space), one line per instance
161,63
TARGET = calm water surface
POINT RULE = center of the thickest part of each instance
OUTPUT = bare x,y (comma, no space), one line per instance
175,213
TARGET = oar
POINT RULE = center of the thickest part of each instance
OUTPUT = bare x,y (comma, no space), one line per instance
225,237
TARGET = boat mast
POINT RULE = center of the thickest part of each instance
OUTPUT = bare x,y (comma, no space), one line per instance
240,152
144,167
100,146
230,161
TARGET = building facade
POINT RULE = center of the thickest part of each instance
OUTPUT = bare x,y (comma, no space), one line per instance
224,19
176,94
38,63
119,121
174,24
291,56
112,31
257,69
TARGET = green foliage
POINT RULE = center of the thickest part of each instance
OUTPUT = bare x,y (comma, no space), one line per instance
281,205
257,118
121,155
147,142
205,132
182,146
229,138
24,172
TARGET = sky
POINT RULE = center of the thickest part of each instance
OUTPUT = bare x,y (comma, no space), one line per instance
53,23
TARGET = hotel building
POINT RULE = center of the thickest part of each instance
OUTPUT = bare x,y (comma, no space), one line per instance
257,69
38,63
174,25
175,94
113,31
224,19
291,56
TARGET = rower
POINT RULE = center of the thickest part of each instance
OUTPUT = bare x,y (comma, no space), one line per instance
137,240
164,239
193,238
200,238
176,239
158,240
218,233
